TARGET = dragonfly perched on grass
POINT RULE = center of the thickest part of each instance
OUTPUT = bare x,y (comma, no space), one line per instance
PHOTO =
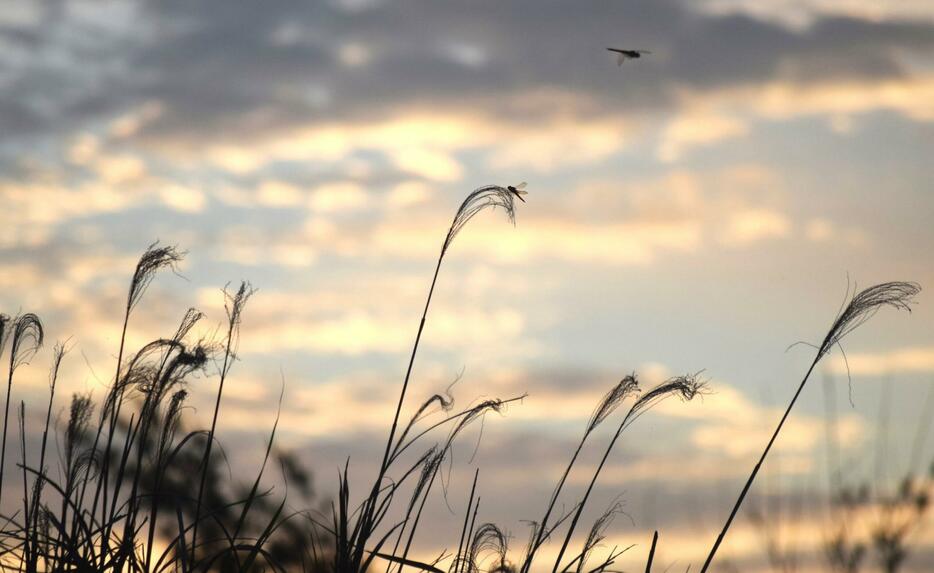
518,190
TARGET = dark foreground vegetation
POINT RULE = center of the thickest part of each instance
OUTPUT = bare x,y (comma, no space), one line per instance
124,486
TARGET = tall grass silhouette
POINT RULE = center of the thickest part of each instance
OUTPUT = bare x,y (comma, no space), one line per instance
126,495
137,490
861,307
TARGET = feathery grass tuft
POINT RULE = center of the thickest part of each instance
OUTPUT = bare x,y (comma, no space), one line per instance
26,339
154,259
488,197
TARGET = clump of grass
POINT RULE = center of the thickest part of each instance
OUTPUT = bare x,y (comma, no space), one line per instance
128,478
684,387
687,387
137,491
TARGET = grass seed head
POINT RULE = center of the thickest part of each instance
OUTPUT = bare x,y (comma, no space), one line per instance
154,259
490,196
27,338
898,294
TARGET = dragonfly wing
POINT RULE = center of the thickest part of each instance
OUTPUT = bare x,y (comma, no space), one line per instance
620,59
521,186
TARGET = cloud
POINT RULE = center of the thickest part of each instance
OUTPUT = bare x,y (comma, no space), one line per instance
604,221
112,168
290,90
911,360
783,99
696,130
33,209
353,322
731,424
182,198
750,225
638,242
242,250
273,193
407,194
432,165
712,433
428,144
909,97
636,222
823,230
360,332
559,143
337,196
819,230
800,14
288,64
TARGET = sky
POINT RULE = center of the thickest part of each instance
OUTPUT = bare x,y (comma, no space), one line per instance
698,210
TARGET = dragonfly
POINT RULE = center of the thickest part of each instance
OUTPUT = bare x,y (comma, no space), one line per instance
518,190
627,54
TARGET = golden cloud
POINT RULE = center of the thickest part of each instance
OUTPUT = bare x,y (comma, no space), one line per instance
911,360
697,129
751,225
912,97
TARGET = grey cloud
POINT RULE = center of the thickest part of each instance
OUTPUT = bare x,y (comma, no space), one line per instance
528,44
228,70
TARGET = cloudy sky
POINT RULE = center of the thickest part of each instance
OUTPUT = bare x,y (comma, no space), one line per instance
700,209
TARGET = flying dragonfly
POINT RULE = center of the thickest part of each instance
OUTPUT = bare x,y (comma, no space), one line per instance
518,190
627,54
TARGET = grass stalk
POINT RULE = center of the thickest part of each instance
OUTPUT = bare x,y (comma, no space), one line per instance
648,563
234,306
862,307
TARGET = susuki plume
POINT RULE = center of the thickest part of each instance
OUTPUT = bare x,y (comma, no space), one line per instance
233,305
474,413
191,318
27,339
625,388
76,430
685,387
154,259
488,538
864,305
172,417
491,196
